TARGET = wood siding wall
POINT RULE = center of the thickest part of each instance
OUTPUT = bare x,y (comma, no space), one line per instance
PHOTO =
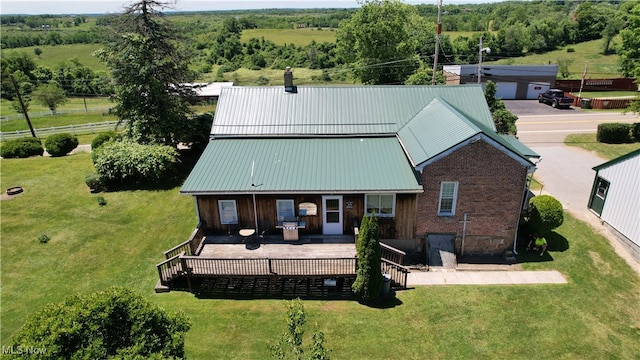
399,227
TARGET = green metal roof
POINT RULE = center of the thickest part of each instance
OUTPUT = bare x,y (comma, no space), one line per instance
439,126
337,110
617,160
286,165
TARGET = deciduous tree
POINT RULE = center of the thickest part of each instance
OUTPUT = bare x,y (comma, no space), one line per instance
380,42
115,323
50,95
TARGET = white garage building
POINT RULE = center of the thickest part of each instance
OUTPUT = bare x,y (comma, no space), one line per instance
513,81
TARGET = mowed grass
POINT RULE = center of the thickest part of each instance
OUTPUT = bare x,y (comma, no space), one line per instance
52,56
298,37
607,151
600,66
594,316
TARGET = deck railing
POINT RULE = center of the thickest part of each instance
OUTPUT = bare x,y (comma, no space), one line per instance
203,267
392,254
189,247
170,268
397,272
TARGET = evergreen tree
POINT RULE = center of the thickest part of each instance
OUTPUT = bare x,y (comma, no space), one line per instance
368,283
151,74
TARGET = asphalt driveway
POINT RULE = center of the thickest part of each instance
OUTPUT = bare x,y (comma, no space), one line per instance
566,171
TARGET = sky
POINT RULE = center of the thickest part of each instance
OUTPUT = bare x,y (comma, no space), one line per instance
39,7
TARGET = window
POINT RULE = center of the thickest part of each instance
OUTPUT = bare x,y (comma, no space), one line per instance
384,205
228,212
285,209
448,196
603,186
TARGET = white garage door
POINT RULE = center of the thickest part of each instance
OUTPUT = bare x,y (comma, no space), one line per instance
534,89
506,90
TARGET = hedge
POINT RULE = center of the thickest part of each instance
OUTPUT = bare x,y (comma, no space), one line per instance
103,138
127,162
614,133
60,144
22,148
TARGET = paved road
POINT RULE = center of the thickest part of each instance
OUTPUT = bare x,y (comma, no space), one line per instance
566,171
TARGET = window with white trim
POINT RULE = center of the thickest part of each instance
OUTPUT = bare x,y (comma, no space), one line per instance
285,209
448,197
228,211
384,205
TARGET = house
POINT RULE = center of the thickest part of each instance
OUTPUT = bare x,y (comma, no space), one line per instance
615,198
513,81
425,159
210,92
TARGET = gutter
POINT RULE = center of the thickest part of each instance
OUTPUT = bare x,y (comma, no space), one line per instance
527,185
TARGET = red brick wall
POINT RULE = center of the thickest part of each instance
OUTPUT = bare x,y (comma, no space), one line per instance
490,190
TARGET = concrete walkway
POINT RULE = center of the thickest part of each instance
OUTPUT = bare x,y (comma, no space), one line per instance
430,278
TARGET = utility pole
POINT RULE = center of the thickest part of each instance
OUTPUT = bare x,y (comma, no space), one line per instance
438,31
24,109
487,50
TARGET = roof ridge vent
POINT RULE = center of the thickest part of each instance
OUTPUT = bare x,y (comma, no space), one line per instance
288,81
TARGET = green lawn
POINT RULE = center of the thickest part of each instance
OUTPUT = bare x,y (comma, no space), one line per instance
600,66
607,151
594,316
53,55
605,94
73,103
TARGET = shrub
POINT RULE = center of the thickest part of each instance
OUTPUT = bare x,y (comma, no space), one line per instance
545,213
570,49
22,148
43,238
60,144
126,162
93,181
614,133
635,132
103,138
102,201
115,323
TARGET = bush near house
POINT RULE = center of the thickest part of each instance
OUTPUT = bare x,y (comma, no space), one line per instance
545,214
130,163
635,132
614,133
60,144
103,138
22,148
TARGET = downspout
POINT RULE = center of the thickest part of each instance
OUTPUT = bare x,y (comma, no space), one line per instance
464,234
527,185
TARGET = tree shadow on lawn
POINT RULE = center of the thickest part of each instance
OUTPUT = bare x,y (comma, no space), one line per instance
555,243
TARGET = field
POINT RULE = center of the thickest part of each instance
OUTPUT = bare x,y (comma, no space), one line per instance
92,247
298,37
52,56
599,66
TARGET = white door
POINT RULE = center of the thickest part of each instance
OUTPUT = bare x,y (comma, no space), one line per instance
332,215
506,90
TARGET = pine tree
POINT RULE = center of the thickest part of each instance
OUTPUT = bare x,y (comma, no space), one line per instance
368,283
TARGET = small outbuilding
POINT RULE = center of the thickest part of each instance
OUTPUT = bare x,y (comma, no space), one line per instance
513,81
615,198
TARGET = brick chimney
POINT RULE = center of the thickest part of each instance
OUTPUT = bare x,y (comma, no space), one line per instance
288,81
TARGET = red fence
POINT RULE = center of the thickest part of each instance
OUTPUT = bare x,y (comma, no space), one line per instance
618,84
603,103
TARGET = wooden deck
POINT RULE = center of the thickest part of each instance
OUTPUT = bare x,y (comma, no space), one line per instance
272,258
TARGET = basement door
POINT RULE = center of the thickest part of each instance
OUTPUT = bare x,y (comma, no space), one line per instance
332,215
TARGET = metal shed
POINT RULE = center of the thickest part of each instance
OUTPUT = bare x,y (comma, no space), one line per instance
615,197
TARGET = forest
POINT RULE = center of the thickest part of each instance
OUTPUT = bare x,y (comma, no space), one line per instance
214,39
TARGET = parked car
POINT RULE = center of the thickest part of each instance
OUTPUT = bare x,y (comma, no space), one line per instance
555,98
